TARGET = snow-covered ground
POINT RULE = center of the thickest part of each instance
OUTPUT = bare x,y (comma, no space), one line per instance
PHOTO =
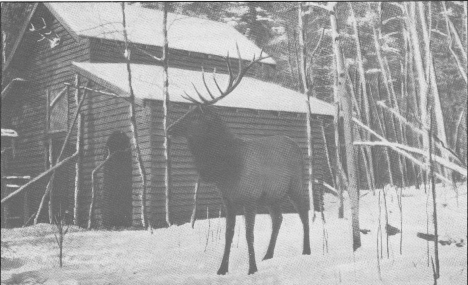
177,255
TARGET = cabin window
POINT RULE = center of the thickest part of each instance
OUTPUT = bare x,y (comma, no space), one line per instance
59,111
117,186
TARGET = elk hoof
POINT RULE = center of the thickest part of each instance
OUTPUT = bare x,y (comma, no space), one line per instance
222,271
268,256
252,270
306,251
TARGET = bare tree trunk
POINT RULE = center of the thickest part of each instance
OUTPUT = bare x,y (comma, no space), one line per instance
4,37
337,166
348,133
434,205
48,151
412,94
465,15
365,95
167,142
134,126
327,155
387,81
193,218
79,145
290,63
305,88
453,30
433,83
382,128
358,133
423,86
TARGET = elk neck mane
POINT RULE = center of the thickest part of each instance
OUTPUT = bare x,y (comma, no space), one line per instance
216,152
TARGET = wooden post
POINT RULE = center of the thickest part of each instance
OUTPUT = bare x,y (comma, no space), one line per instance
79,143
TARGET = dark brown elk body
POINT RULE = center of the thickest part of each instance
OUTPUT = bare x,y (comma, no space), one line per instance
247,173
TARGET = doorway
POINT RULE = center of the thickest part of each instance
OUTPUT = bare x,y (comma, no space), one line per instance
117,184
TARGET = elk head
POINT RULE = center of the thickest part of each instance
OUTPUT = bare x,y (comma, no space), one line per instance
199,121
46,34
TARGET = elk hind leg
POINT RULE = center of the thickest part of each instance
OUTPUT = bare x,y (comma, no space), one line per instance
250,212
230,225
276,220
303,210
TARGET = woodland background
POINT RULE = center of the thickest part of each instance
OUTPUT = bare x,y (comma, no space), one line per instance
274,27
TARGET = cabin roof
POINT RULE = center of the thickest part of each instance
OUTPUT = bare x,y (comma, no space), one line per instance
144,26
147,84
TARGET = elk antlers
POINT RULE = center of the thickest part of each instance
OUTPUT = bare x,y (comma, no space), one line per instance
232,84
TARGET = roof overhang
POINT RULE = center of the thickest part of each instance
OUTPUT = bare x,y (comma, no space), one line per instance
147,85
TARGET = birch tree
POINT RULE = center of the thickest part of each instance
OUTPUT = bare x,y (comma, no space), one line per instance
346,105
133,122
167,142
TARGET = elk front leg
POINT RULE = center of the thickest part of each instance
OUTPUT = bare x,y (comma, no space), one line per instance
230,225
250,212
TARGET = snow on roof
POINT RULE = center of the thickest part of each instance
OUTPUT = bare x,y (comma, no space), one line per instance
9,133
104,20
147,84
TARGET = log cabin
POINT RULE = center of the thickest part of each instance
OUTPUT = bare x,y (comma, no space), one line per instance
70,44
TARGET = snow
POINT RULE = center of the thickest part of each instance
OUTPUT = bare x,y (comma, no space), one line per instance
251,93
104,20
177,255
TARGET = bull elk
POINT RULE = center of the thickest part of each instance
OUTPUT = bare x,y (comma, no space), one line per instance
247,173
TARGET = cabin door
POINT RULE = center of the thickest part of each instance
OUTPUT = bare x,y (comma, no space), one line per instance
117,186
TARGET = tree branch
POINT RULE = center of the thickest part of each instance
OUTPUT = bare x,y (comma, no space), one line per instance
402,152
436,158
37,178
